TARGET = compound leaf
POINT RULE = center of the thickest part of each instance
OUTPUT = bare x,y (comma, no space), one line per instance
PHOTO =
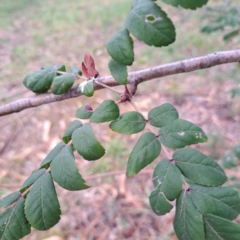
67,136
159,203
65,172
128,123
86,144
13,223
188,222
9,199
84,112
42,207
168,179
199,168
120,47
107,111
162,115
148,23
189,4
180,133
118,71
218,228
54,152
223,202
62,83
144,152
40,81
30,180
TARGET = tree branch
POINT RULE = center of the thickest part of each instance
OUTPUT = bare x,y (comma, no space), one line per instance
134,78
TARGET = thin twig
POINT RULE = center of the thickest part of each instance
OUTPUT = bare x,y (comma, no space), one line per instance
166,152
134,105
134,78
106,86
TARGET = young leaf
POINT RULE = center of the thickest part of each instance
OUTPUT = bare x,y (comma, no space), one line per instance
67,136
218,228
223,202
128,123
10,199
13,224
84,112
40,81
188,222
118,71
199,168
42,207
148,23
30,180
88,67
54,152
120,47
180,133
107,111
65,172
168,176
189,4
159,203
86,144
162,115
144,152
76,71
87,88
62,83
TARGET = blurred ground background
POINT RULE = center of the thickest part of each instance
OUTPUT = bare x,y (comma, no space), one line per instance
48,32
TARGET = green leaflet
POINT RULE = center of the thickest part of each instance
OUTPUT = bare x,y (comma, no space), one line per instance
188,222
65,172
87,88
144,152
189,4
118,71
162,115
159,203
54,152
107,111
218,228
221,201
61,68
62,83
128,123
169,179
30,180
86,144
84,112
9,199
237,151
40,81
229,160
13,223
42,207
199,168
120,47
180,133
148,23
67,136
76,71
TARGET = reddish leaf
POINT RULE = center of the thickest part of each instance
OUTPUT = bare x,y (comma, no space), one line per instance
88,67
